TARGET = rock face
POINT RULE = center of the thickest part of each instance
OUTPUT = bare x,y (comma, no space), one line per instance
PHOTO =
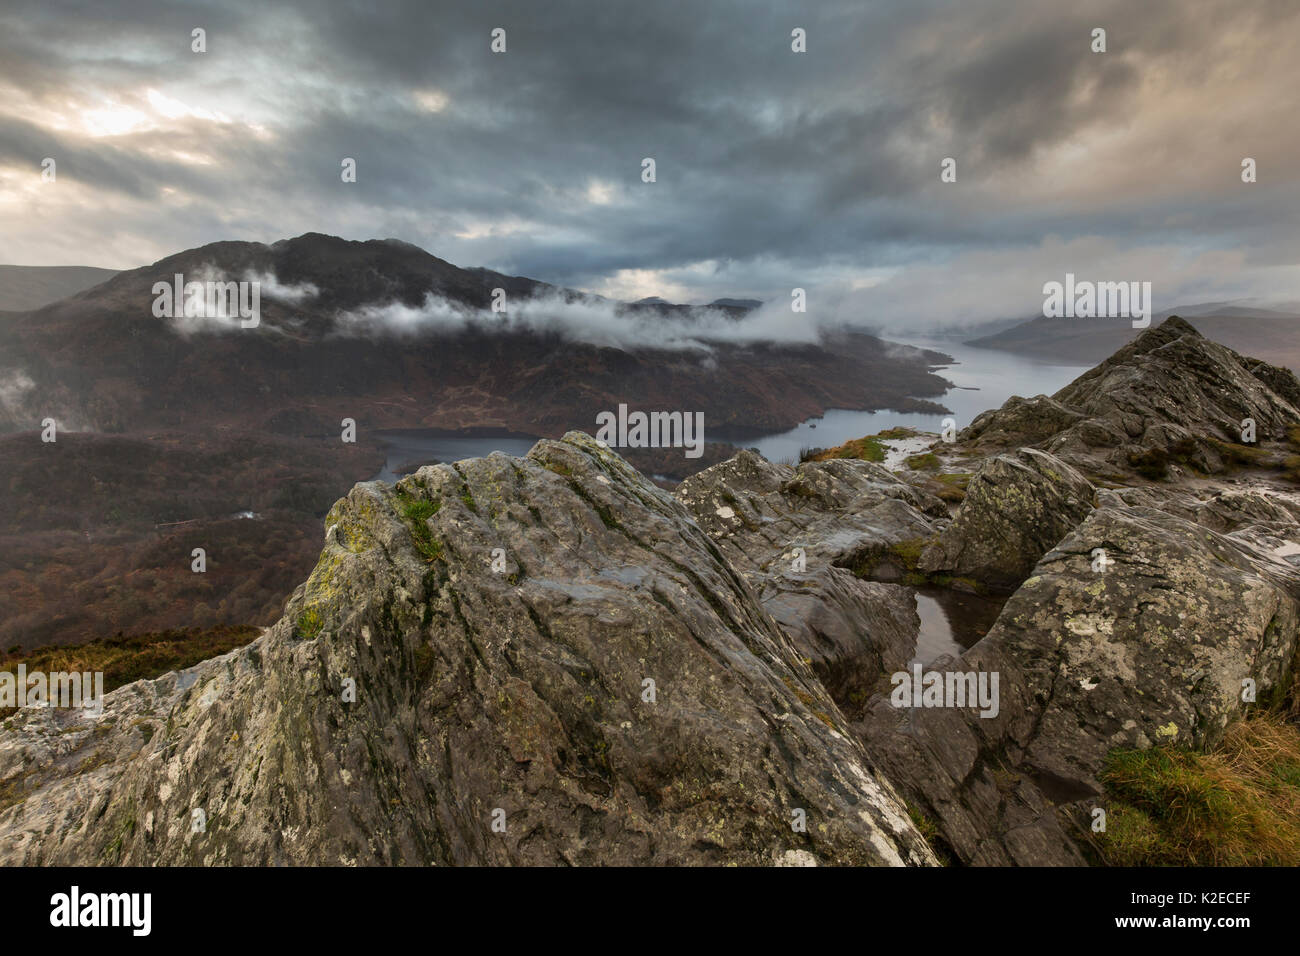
513,695
1017,507
836,510
796,533
1197,591
1151,650
1170,393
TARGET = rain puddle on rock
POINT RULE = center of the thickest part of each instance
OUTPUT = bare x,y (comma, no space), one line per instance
952,622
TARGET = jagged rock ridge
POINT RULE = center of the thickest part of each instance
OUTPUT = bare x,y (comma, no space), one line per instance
519,689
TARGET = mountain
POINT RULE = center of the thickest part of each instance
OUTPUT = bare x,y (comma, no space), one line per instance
348,330
1169,400
23,288
1268,333
172,432
548,660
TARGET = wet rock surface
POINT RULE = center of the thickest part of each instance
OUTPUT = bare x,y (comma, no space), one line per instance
1152,650
796,534
1017,507
483,695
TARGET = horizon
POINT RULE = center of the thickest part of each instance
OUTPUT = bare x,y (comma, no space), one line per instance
1287,307
820,169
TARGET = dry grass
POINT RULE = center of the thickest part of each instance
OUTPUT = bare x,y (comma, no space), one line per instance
137,657
1237,806
865,449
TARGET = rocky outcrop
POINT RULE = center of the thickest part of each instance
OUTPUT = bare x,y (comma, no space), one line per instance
1021,421
505,661
852,632
1137,614
1017,507
1166,401
836,511
1152,648
797,534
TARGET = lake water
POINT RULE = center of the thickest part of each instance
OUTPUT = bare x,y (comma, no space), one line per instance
413,445
950,622
983,379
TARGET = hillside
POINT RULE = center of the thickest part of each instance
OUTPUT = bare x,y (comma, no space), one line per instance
227,420
23,288
393,337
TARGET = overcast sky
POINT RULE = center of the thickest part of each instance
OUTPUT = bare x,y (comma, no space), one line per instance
775,169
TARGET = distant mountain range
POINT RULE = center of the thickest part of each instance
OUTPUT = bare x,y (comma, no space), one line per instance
1271,334
393,337
29,287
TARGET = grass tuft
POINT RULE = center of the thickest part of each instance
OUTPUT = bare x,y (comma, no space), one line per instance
417,512
310,623
1237,806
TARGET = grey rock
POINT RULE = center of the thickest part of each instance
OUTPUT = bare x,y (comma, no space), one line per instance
1170,392
1017,507
477,690
1152,650
829,518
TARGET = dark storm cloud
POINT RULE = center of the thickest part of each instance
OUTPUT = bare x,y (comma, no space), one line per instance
774,168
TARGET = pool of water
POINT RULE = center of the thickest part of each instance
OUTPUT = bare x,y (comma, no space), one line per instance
952,622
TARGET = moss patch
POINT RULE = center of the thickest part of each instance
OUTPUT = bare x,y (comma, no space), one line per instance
862,449
310,623
1234,454
908,552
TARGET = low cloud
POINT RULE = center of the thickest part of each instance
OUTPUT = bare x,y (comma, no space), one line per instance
273,288
221,314
15,384
958,292
590,320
